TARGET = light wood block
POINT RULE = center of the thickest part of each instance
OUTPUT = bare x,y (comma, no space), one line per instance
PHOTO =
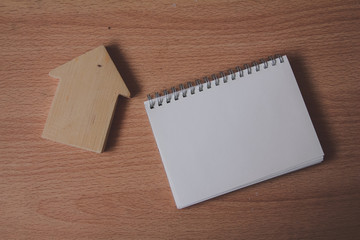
85,99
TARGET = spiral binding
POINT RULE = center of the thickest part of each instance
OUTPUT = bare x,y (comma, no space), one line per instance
190,88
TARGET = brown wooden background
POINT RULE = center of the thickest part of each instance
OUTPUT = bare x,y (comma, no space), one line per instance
52,191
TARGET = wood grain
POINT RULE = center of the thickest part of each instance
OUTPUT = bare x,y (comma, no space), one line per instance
52,191
85,99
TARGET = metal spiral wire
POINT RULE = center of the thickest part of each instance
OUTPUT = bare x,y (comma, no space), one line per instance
174,93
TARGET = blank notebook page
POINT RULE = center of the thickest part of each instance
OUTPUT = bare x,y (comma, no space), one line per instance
235,134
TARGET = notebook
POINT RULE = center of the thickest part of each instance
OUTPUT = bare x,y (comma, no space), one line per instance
239,128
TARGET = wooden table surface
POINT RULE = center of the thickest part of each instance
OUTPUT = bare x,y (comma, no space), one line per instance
52,191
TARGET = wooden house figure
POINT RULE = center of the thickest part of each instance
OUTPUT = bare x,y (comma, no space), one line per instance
85,100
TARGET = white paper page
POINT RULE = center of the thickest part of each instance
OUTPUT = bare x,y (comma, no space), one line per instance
234,134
